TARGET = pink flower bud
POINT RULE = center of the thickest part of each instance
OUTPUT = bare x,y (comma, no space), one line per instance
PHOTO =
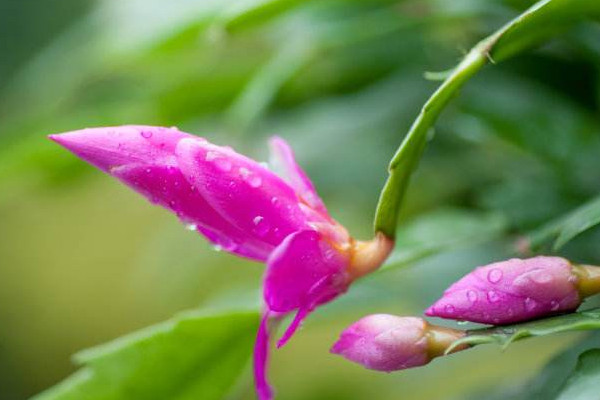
511,291
244,208
387,343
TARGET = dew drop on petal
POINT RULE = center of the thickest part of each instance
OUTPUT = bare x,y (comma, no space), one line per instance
495,275
223,164
541,277
255,181
449,309
146,134
191,227
472,296
530,304
493,297
554,305
274,200
261,227
211,155
217,247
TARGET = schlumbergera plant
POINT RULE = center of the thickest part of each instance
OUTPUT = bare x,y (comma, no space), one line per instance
272,214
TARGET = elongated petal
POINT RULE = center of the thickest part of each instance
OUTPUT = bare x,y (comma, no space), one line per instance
261,359
511,291
303,272
143,158
248,195
284,162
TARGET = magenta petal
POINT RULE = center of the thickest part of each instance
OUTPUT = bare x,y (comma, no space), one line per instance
385,342
282,157
111,147
166,186
510,291
304,271
261,359
143,158
247,194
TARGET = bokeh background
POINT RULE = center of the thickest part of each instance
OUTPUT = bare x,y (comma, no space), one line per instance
84,260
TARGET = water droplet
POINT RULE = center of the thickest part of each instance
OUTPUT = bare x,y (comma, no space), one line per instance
148,170
554,305
462,322
541,277
255,181
223,164
495,275
146,134
530,304
217,247
449,309
492,296
244,172
261,227
211,155
191,227
472,296
274,200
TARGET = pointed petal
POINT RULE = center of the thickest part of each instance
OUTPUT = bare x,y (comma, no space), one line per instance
111,147
248,195
284,162
143,158
261,359
304,271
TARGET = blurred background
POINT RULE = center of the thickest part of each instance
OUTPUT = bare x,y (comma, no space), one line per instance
84,260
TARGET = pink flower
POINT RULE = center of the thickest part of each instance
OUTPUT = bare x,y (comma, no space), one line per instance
513,290
389,343
244,208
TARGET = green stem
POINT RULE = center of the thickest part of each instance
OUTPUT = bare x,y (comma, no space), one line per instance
544,19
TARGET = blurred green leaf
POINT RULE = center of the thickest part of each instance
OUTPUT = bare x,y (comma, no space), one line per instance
582,384
193,356
567,227
505,335
441,230
520,33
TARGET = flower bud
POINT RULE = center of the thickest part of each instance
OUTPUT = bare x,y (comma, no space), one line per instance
388,343
517,290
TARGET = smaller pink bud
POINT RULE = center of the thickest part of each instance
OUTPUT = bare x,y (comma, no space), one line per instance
388,343
517,290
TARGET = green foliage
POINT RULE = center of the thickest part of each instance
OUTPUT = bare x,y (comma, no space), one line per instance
567,227
523,32
193,356
443,230
582,384
505,335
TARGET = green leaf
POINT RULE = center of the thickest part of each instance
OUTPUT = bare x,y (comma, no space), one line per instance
247,13
582,384
443,230
565,228
505,335
522,32
193,356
